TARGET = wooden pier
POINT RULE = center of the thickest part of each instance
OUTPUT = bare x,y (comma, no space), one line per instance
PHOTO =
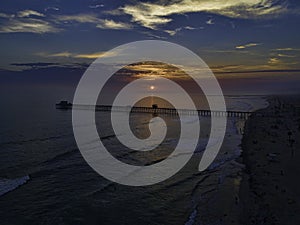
155,110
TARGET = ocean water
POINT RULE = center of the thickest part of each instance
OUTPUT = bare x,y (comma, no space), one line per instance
45,180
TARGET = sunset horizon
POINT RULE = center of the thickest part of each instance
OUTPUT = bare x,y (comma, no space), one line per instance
157,112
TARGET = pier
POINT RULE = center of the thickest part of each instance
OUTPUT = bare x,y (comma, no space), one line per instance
155,110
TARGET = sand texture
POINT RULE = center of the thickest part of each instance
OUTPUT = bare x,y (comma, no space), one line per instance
270,189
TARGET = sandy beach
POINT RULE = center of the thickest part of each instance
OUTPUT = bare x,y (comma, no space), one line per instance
270,187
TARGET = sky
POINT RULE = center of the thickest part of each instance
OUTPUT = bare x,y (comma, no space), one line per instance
242,40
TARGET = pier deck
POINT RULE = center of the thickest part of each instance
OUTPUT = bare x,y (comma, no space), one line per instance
156,110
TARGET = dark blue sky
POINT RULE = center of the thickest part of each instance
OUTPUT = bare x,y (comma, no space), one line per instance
231,36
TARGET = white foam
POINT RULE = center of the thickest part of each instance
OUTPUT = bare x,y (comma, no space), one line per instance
246,103
7,185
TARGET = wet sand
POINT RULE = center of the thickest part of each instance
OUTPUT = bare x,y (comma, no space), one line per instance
270,188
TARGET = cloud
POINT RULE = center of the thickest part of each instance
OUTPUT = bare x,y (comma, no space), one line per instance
277,63
59,54
94,55
247,45
151,35
174,32
210,22
110,24
22,14
192,28
287,49
93,19
80,18
273,65
226,68
274,61
26,21
28,25
259,71
36,64
224,51
96,6
286,56
30,21
152,70
151,15
51,8
282,61
7,16
28,13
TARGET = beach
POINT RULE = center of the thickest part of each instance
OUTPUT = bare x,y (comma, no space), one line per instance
270,187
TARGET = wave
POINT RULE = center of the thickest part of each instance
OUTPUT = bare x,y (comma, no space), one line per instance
20,142
246,103
192,218
7,185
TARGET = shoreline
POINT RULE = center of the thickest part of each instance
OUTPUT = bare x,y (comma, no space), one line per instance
270,191
226,173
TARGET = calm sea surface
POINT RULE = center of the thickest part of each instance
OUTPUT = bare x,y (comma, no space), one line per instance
37,145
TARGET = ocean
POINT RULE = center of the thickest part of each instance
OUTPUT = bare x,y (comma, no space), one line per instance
45,180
